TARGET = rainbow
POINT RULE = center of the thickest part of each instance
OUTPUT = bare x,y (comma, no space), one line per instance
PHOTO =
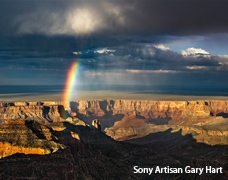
70,82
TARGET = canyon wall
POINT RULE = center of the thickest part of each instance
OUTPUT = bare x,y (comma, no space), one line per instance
46,112
25,128
71,140
207,121
146,108
153,109
125,119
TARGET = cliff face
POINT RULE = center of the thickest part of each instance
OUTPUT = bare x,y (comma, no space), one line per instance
124,119
28,127
81,151
23,128
148,109
154,109
27,137
32,111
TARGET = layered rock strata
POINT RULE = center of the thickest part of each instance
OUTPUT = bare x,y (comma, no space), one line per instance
125,119
28,127
41,140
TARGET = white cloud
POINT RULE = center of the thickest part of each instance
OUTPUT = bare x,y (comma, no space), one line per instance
84,21
104,51
223,56
196,67
77,52
162,47
223,63
195,52
160,71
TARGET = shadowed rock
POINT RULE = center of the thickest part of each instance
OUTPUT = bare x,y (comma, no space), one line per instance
164,132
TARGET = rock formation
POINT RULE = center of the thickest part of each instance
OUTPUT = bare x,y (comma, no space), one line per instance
40,112
36,138
28,137
124,119
154,109
96,123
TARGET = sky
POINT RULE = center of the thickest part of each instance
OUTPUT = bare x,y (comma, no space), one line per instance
151,44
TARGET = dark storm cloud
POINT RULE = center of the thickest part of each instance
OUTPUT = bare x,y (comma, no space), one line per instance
179,16
148,65
116,42
149,58
72,17
130,64
133,58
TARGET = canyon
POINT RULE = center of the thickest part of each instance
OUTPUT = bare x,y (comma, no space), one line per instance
207,121
112,135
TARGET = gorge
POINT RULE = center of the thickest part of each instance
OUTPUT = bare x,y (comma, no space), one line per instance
113,135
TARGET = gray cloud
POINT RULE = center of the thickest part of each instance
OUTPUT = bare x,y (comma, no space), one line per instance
145,57
133,64
133,58
76,17
120,42
63,17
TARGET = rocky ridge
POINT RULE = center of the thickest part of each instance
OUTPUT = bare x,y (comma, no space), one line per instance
124,119
36,138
